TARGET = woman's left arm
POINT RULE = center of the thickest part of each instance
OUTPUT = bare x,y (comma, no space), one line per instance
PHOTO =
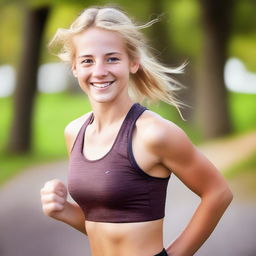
178,154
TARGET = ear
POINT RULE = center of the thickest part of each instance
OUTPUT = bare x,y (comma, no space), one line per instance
74,71
134,66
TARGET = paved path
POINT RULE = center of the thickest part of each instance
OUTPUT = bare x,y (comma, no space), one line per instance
225,152
25,231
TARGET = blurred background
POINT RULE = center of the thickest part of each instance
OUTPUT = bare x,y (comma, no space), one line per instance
39,96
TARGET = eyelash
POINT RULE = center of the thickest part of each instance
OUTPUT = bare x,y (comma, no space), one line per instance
113,59
109,60
86,61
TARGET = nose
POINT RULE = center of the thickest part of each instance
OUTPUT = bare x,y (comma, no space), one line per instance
100,69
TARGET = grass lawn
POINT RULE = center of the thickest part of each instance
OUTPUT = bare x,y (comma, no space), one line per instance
242,179
243,111
54,111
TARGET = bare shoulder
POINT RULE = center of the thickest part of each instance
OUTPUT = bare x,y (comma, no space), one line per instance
164,139
156,131
72,129
174,150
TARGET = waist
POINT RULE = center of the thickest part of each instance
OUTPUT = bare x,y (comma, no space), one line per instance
121,238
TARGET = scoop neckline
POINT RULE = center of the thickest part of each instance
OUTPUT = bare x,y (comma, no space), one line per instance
113,144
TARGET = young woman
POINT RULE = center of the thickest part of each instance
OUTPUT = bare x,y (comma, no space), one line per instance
122,154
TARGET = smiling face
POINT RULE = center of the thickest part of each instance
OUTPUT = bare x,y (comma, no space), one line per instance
102,65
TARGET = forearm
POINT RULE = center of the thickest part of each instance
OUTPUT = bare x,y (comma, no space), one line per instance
73,216
201,225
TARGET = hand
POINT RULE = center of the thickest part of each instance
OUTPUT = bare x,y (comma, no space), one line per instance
54,198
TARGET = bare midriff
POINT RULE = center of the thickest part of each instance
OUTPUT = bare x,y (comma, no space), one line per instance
125,239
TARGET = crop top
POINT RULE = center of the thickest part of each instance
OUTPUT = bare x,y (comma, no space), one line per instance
114,188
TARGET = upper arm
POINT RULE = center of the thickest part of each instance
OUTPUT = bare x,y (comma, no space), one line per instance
69,137
72,129
177,153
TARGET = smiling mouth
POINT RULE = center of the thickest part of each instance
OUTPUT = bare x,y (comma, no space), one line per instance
102,85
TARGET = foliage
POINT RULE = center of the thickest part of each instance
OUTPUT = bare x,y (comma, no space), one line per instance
242,108
243,37
243,47
60,17
10,33
248,165
53,112
244,18
6,113
182,17
184,24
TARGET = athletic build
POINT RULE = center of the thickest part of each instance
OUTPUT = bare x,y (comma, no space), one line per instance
114,188
149,149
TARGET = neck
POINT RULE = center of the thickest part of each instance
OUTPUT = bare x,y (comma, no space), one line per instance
108,113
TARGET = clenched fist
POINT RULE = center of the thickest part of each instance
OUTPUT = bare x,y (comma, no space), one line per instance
54,198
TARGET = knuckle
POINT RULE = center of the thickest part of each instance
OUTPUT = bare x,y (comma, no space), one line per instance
52,197
53,206
56,207
50,209
52,183
48,198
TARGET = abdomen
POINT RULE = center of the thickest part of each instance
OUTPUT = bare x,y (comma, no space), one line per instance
125,239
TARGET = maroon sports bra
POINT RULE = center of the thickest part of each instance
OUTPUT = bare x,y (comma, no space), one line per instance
114,188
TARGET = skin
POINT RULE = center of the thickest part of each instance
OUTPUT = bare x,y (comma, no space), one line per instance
159,147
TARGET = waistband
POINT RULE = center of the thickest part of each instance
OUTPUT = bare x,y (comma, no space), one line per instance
162,253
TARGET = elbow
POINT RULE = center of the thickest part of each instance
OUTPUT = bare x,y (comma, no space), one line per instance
219,198
231,195
225,197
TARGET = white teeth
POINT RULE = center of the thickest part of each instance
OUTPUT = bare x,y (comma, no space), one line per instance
101,85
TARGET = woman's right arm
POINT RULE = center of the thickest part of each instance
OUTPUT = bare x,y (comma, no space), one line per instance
54,193
55,205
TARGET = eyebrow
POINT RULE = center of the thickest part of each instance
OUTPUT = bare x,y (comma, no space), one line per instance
107,54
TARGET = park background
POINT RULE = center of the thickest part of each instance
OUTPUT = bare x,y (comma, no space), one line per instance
39,97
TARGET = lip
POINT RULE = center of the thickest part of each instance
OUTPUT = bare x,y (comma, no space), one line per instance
102,85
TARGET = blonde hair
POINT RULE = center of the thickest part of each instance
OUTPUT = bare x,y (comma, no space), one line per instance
152,81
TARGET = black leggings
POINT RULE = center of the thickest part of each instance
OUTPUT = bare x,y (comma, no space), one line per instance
162,253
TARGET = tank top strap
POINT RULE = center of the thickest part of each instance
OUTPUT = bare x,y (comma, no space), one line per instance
128,125
77,145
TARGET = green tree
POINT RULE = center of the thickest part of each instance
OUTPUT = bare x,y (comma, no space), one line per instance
21,129
36,16
159,32
212,103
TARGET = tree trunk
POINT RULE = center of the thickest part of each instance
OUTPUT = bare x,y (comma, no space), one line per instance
21,129
212,101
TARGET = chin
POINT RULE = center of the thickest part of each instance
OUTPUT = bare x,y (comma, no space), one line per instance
103,99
